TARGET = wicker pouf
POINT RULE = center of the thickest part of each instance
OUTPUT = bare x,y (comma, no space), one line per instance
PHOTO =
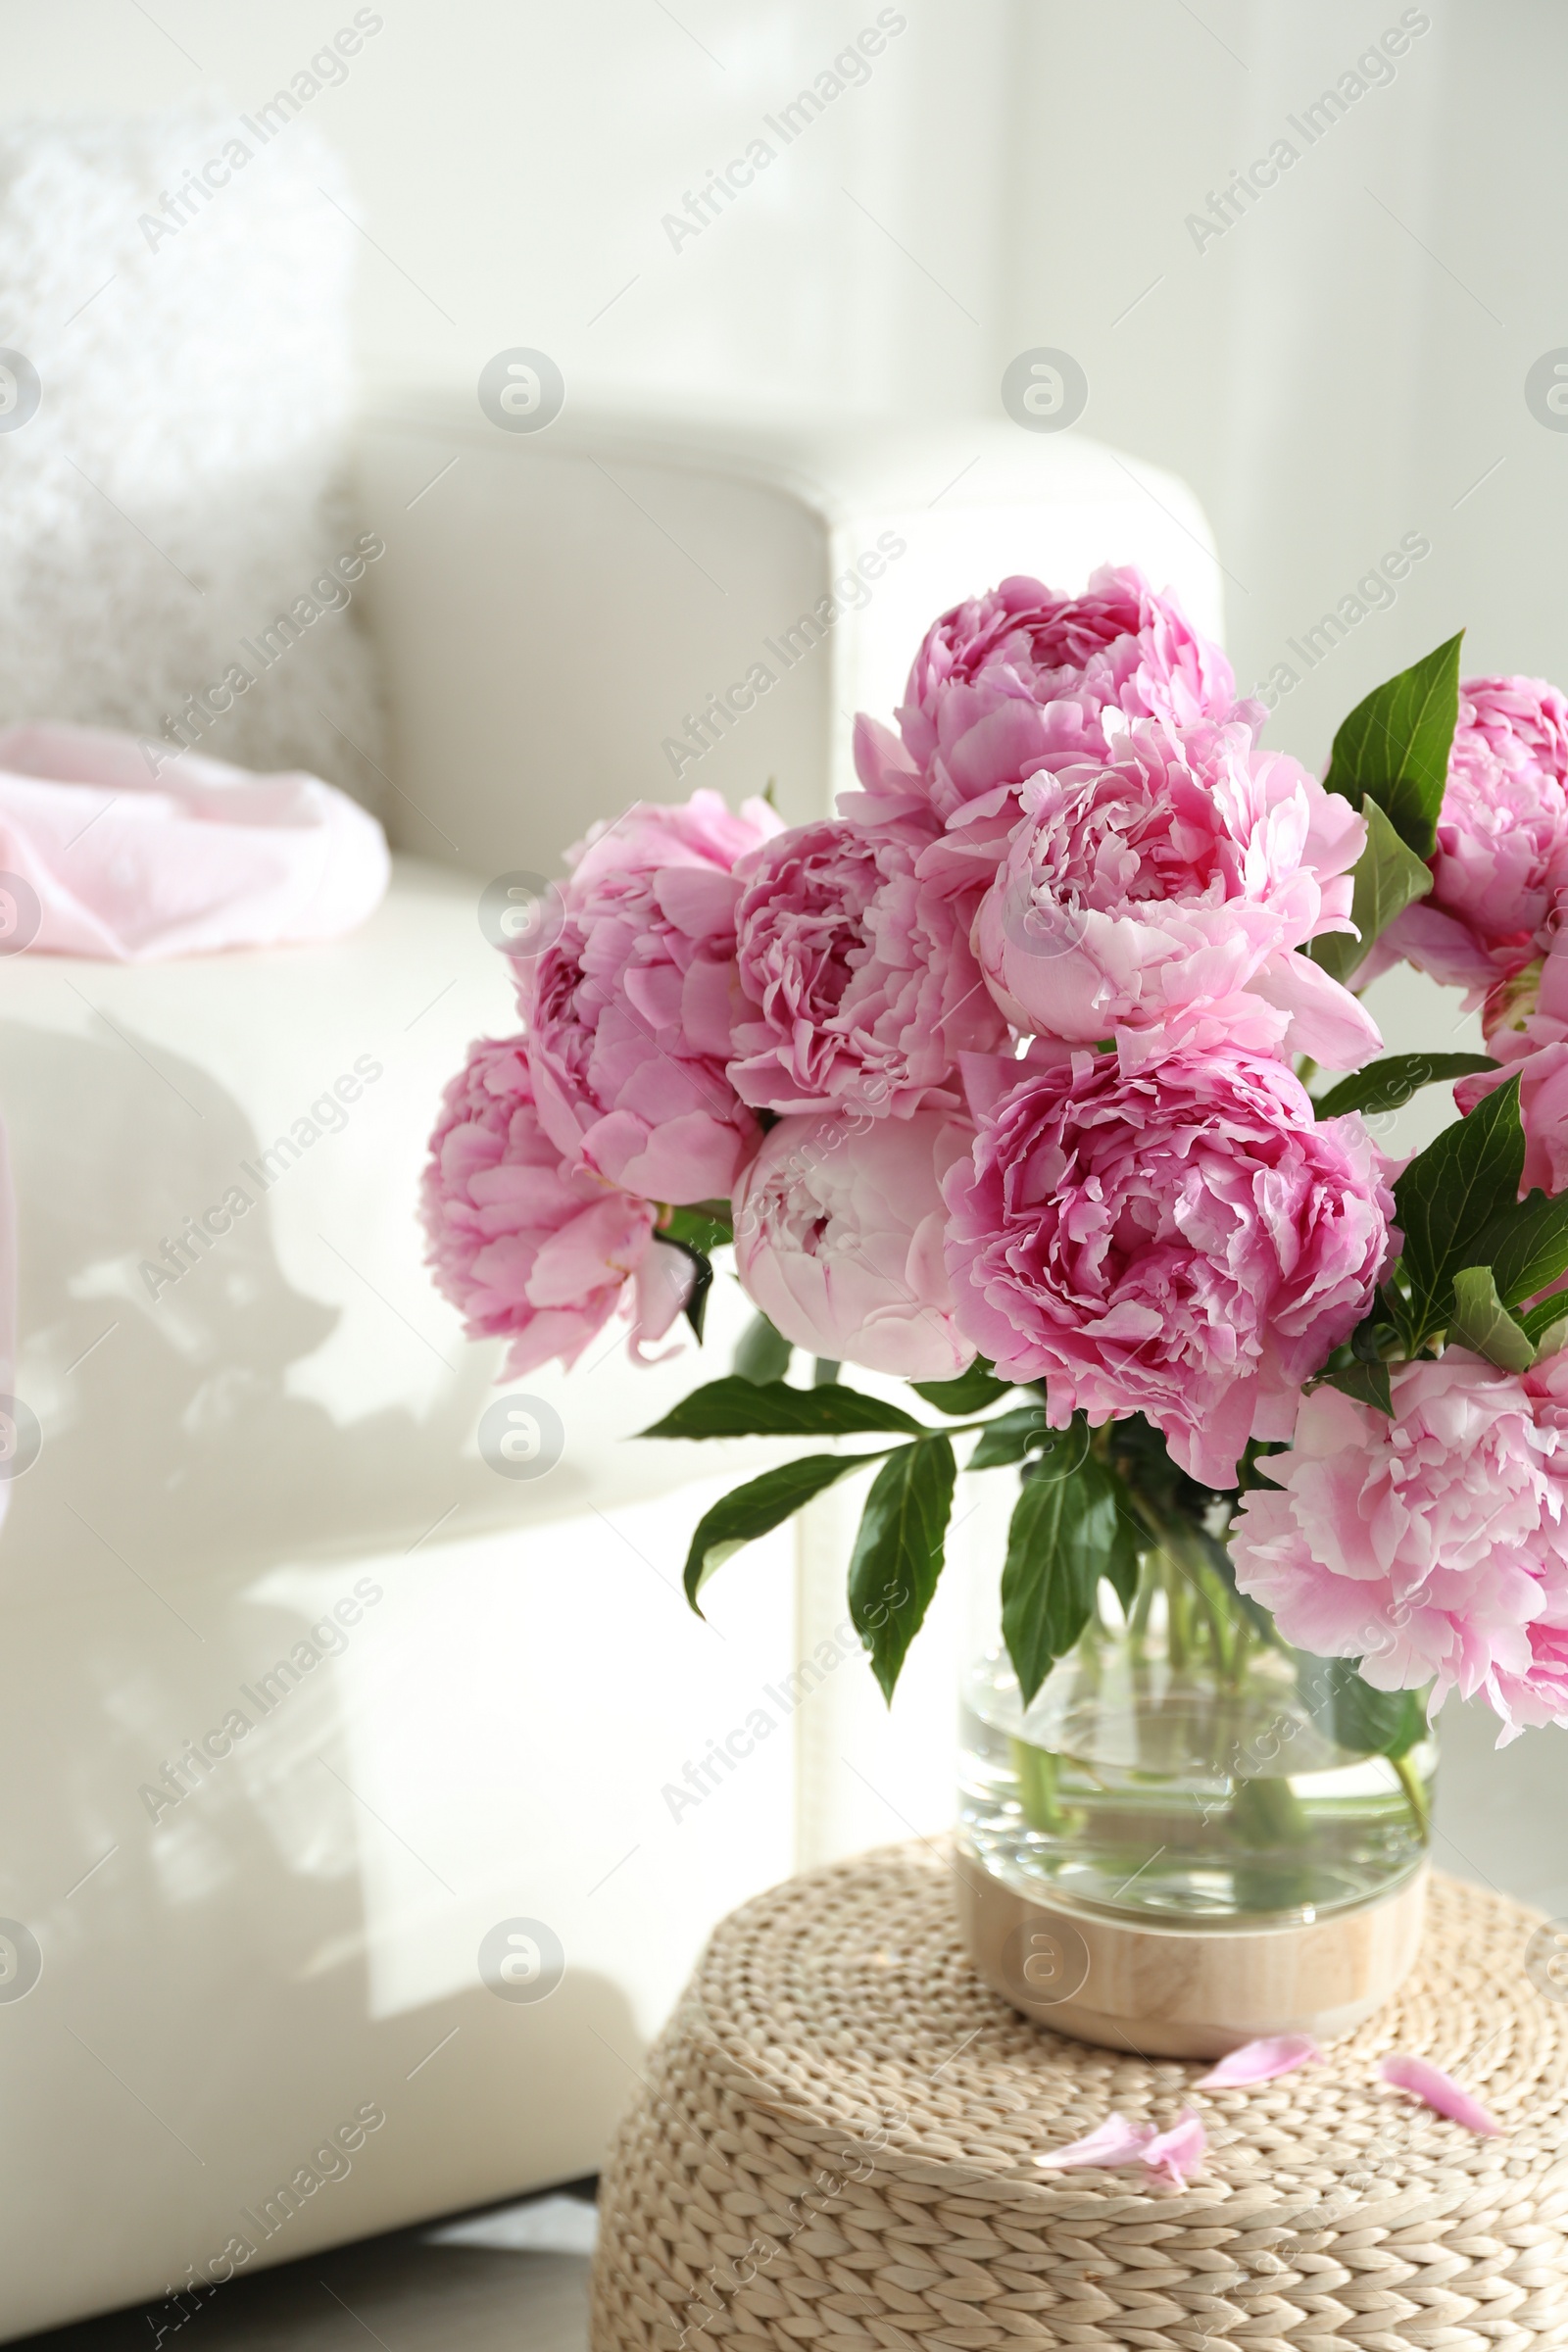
835,2149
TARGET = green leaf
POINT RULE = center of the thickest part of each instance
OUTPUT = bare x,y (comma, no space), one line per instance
1526,1245
1366,1722
1447,1196
702,1228
1067,1532
695,1309
1009,1437
1540,1320
899,1553
1480,1321
970,1393
1387,876
1388,1084
1553,1339
761,1354
1128,1544
738,1408
1394,745
758,1508
1369,1384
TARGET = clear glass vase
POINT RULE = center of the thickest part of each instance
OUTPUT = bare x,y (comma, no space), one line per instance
1180,1768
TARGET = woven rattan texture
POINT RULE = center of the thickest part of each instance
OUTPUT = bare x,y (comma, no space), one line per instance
835,2149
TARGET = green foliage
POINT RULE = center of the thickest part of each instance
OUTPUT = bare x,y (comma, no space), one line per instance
758,1508
737,1407
1388,1084
1067,1533
969,1393
1480,1321
706,1227
1526,1245
899,1552
1458,1206
1387,876
695,1233
1140,1452
1542,1321
695,1309
1394,745
761,1354
1465,1183
1367,1383
1356,1717
1010,1437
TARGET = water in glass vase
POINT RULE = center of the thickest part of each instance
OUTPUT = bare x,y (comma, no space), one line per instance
1192,1772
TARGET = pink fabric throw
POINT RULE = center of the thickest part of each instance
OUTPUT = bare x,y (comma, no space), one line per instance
130,867
101,855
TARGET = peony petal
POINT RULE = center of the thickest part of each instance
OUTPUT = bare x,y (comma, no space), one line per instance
1261,2061
1113,2142
1178,2151
1439,2091
1326,1020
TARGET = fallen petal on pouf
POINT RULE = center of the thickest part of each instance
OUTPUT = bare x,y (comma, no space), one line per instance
1178,2151
1261,2061
1113,2142
1439,2091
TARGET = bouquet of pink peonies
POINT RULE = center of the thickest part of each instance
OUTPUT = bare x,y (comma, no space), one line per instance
998,1082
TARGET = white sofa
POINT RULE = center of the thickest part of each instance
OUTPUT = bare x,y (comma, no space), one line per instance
503,1680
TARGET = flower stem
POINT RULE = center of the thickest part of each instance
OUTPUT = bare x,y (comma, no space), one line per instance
1409,1781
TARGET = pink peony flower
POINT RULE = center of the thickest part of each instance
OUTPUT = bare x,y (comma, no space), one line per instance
1502,838
1164,1230
838,1240
530,1248
1434,1547
861,984
1019,680
1525,1021
1184,864
631,1009
1543,1077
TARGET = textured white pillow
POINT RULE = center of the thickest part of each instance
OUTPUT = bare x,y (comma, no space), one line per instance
177,488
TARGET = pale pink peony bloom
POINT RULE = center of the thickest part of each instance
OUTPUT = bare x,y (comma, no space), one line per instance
631,1009
1185,864
1261,2061
1439,2092
861,985
1525,1021
530,1247
1543,1077
1434,1547
1020,678
1502,838
1166,1229
838,1240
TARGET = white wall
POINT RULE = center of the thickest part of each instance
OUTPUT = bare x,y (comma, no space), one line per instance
1338,369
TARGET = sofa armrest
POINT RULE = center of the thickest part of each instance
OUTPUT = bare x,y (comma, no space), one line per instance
624,605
